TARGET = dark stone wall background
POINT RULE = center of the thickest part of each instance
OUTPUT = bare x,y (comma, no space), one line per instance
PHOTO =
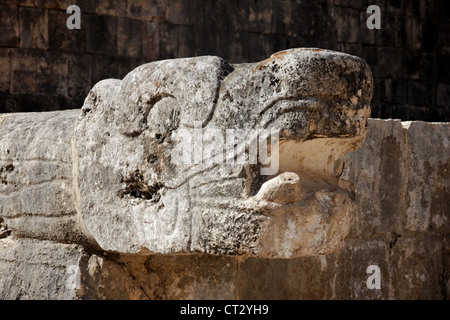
45,66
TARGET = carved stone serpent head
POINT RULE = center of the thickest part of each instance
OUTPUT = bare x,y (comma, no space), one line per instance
196,154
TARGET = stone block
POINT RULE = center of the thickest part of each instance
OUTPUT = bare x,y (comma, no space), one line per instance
102,35
443,95
210,36
443,37
354,49
413,33
284,18
10,26
417,268
7,103
377,171
399,111
446,264
389,63
278,279
310,24
33,28
112,8
38,173
269,41
350,271
51,75
168,40
55,4
442,113
5,66
129,37
21,3
63,39
392,31
371,56
358,4
23,71
38,270
79,77
397,91
415,113
412,61
416,8
256,42
214,14
185,40
150,41
124,65
349,25
280,42
395,7
196,277
385,110
104,67
237,15
177,11
443,61
366,35
428,67
237,50
86,6
153,10
33,269
428,186
421,93
380,91
440,8
260,15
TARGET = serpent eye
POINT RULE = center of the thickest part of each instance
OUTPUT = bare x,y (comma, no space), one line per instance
163,115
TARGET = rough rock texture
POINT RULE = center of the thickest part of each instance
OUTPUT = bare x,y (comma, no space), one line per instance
132,195
428,183
116,177
402,186
381,164
36,175
37,269
398,221
4,232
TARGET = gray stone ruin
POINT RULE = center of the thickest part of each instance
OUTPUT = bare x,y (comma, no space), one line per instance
111,177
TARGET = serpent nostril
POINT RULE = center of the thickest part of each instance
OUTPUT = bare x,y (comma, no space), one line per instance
136,187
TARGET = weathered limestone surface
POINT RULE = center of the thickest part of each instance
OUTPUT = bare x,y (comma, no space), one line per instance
37,269
428,179
402,193
412,158
392,197
377,173
113,177
36,175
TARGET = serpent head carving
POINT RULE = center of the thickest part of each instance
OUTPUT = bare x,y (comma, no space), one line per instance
135,193
199,155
